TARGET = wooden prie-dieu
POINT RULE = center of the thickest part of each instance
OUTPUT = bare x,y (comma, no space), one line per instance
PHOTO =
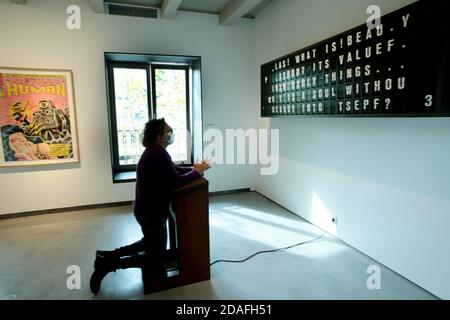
187,255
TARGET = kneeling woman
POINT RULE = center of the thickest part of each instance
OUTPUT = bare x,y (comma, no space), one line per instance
156,178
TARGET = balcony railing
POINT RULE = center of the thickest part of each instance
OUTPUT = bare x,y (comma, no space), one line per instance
130,146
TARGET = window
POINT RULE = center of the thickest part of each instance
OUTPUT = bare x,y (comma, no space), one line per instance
141,87
171,100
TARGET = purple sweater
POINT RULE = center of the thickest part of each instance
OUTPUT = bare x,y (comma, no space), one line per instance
156,177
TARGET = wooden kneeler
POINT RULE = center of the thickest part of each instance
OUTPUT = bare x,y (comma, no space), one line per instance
187,258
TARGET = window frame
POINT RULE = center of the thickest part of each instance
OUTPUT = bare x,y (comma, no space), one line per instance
149,62
117,167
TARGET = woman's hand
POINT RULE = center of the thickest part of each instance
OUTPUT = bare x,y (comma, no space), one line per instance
202,166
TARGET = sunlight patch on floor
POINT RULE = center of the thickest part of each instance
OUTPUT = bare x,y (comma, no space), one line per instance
271,230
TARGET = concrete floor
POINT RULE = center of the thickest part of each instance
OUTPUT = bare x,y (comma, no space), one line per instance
37,251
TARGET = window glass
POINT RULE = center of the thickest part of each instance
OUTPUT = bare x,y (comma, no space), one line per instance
171,104
131,101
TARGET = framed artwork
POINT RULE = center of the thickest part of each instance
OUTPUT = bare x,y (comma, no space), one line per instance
395,69
37,117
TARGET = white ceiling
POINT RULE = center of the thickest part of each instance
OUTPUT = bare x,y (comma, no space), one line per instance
233,9
229,11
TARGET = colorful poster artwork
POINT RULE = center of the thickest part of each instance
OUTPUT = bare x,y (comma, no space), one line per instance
37,117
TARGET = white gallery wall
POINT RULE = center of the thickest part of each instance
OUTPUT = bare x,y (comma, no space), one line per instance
386,180
35,36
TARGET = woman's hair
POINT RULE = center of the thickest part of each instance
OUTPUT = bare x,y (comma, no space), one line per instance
152,129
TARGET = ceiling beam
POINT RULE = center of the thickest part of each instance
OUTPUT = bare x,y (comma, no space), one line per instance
235,10
98,6
169,8
19,1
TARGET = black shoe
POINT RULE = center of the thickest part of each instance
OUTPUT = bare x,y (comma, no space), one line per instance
102,266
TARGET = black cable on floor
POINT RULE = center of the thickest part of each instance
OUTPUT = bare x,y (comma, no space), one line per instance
268,251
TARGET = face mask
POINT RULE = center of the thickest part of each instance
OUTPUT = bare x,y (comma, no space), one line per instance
170,140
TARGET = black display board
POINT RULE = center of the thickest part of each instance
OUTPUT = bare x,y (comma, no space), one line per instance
399,69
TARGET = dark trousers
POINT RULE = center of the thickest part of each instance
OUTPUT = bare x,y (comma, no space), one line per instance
154,242
149,252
